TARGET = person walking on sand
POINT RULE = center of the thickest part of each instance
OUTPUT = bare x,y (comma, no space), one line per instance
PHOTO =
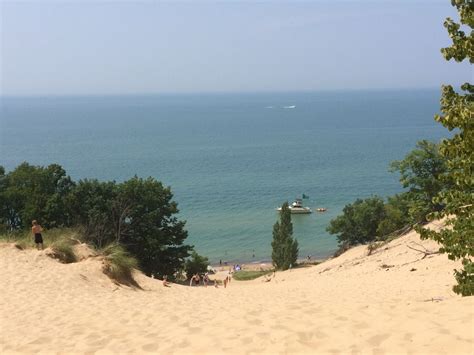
36,229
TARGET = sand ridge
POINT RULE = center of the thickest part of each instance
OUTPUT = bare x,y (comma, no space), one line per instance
393,301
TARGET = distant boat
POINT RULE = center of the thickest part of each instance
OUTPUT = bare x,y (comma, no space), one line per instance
292,106
321,209
297,207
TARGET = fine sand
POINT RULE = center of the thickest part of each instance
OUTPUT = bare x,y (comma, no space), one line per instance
393,301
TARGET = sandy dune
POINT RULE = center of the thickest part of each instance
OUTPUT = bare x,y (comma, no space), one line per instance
392,301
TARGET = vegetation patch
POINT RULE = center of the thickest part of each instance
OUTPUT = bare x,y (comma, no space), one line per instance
250,275
119,265
196,264
63,250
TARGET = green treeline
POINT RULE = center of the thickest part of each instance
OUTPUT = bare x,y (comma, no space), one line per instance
372,219
440,179
138,214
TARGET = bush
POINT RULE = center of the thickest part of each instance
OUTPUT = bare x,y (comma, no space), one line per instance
118,264
197,264
250,275
359,222
22,240
63,250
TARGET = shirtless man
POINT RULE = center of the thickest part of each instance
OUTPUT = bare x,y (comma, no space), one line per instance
36,230
196,280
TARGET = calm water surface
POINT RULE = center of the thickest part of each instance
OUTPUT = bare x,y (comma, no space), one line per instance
231,159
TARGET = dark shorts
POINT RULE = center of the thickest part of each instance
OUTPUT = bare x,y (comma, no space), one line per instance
38,238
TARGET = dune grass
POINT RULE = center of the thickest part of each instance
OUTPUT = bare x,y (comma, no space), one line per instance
63,250
244,275
118,264
25,240
60,240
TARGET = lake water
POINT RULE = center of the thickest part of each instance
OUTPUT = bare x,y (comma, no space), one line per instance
231,159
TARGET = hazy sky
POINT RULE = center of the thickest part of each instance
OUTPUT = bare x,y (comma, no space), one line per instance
115,47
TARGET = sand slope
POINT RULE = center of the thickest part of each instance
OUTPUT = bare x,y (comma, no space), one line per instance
350,304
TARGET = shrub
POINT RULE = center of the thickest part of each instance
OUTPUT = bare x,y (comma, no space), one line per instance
63,250
359,221
118,264
196,264
250,275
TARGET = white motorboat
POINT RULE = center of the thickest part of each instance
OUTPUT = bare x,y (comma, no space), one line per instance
297,207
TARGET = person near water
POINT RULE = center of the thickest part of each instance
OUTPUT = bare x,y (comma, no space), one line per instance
36,229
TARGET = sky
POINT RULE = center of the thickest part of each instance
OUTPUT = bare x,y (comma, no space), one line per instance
119,47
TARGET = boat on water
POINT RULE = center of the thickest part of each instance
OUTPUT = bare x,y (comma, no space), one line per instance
321,209
297,207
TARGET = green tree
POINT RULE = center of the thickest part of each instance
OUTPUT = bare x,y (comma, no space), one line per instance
420,172
91,207
457,109
396,215
149,229
34,192
196,264
359,222
284,247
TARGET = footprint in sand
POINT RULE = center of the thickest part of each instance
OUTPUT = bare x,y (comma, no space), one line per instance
151,335
194,330
376,340
41,340
305,337
151,347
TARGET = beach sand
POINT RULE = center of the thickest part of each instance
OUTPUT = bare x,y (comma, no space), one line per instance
393,301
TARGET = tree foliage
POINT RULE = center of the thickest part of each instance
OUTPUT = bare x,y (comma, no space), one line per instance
284,247
196,264
420,172
34,192
396,215
359,222
139,214
457,109
148,228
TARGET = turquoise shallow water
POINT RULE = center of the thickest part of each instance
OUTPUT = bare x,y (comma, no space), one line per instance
231,159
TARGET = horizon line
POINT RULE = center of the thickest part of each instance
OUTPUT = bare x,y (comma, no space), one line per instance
230,92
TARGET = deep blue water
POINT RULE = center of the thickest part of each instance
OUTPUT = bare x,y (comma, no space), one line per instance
231,159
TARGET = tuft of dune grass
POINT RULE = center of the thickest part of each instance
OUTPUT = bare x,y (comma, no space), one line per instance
63,250
118,264
24,239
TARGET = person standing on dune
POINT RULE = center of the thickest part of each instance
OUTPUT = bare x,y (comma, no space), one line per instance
36,229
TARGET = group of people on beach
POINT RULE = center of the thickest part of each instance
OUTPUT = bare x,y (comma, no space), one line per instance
196,280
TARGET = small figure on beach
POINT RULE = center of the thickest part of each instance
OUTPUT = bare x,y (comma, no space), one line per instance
206,279
196,280
36,229
165,281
